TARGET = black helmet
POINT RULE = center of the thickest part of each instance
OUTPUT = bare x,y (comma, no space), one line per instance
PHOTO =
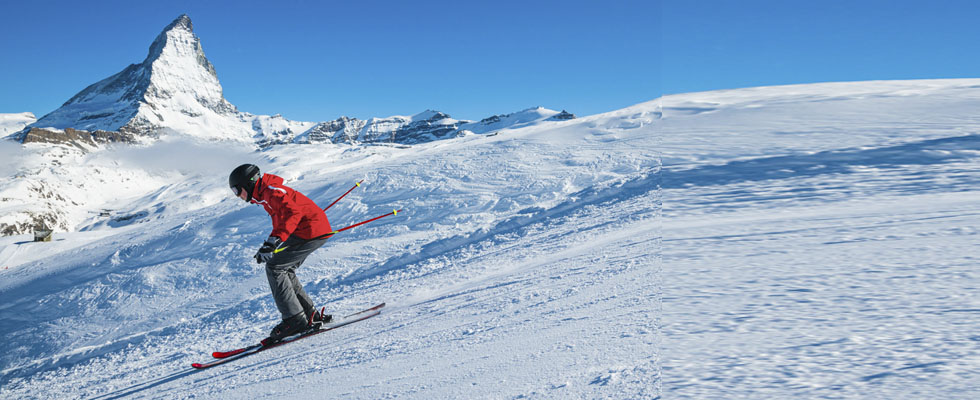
244,178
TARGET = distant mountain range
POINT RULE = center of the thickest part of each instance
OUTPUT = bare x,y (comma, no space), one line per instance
176,90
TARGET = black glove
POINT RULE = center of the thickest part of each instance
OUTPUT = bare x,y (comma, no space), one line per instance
268,249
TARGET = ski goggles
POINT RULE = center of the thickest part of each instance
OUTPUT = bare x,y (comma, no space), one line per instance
237,190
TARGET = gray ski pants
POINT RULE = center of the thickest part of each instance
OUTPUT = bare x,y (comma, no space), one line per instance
288,293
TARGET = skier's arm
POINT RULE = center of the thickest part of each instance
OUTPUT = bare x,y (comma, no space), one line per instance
290,215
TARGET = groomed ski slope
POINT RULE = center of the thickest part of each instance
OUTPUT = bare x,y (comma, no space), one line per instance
525,264
820,241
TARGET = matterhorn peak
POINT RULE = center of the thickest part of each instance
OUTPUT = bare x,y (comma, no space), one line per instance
175,89
182,22
181,25
178,40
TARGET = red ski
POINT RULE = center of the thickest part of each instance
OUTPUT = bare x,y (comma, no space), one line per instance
227,356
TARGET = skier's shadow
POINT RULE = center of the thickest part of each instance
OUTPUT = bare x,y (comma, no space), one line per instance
31,241
139,387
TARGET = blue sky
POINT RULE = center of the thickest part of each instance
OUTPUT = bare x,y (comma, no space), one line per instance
731,44
318,60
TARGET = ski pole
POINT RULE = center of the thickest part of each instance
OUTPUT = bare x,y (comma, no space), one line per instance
327,235
394,212
345,194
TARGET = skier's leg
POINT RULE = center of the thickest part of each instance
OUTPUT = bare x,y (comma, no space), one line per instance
303,298
287,291
282,290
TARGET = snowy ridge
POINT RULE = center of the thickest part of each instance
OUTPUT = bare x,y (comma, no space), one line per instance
424,127
513,120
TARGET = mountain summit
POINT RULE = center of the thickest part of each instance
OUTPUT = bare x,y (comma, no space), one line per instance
175,87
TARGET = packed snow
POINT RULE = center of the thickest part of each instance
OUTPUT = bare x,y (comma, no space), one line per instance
819,241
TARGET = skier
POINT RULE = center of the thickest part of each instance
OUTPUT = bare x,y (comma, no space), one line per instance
299,227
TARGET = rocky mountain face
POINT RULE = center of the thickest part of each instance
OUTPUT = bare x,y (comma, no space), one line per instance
74,137
562,116
420,128
342,130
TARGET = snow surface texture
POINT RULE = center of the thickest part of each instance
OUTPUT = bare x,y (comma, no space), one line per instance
820,242
525,264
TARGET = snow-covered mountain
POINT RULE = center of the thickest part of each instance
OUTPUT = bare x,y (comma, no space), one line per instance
176,90
420,128
423,127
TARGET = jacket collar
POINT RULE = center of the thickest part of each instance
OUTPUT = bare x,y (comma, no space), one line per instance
256,191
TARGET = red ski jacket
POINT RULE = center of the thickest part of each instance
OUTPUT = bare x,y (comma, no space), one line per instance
292,213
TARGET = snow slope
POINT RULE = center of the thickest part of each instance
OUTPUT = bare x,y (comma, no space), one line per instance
524,264
12,123
820,240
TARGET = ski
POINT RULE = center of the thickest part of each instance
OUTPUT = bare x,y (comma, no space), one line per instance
228,356
329,326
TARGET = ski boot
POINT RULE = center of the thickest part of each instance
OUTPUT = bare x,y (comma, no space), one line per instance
288,327
317,318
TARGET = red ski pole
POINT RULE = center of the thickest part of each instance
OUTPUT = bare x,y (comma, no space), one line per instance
345,194
394,212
